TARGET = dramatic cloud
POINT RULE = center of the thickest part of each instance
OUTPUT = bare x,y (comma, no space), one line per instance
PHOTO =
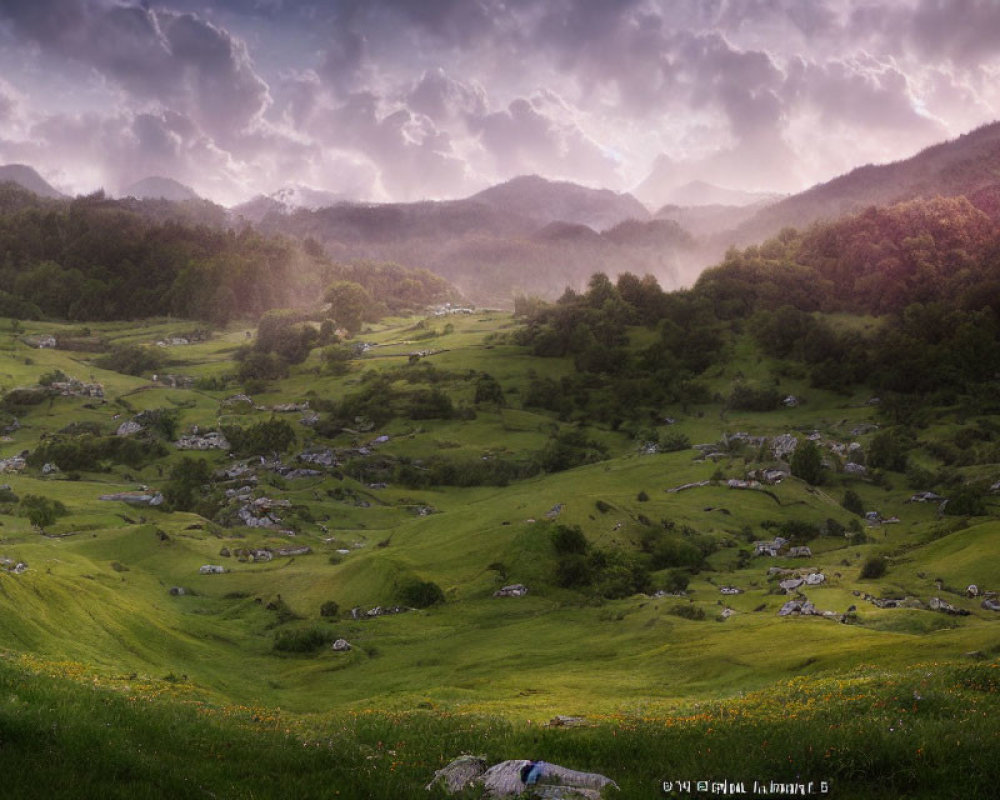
392,99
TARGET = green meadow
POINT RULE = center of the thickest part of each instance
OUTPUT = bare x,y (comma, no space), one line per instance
114,686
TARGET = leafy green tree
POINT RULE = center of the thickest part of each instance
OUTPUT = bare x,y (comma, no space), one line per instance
350,304
807,463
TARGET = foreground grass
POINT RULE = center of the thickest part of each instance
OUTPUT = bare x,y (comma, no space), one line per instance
928,731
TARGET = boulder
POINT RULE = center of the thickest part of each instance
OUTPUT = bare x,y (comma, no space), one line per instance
800,552
341,645
815,578
783,446
937,604
791,584
511,778
791,607
514,590
463,772
972,590
727,613
730,590
991,604
128,428
855,469
178,591
212,569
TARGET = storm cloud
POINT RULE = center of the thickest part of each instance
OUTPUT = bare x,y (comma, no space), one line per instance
388,99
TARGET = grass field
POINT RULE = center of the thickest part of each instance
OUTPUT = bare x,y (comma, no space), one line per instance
124,682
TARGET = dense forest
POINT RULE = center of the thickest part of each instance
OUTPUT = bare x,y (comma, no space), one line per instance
928,271
94,258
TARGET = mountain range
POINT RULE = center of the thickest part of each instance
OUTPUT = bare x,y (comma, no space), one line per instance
534,235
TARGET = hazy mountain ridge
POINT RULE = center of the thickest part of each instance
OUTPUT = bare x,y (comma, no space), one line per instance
963,166
157,187
29,179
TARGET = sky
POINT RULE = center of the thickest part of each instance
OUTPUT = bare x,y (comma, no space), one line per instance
402,100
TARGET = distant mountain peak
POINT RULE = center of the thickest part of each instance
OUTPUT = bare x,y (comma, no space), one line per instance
27,178
546,201
157,187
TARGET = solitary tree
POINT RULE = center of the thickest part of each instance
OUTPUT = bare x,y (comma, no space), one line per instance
807,463
349,303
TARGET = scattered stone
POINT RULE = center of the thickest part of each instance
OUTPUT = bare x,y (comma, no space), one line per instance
925,497
855,469
213,440
291,408
791,607
800,552
212,569
736,483
178,591
225,553
135,498
341,645
783,445
324,458
297,474
128,428
554,512
514,590
790,402
772,548
461,773
727,613
510,778
687,486
43,342
286,552
937,604
730,590
48,469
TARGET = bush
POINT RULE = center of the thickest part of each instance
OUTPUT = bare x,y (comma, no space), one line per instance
673,441
569,540
603,507
874,567
42,511
271,436
573,570
131,359
301,641
419,594
807,463
642,497
329,609
852,502
687,611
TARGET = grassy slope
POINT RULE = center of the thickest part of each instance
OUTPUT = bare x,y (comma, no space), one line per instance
551,652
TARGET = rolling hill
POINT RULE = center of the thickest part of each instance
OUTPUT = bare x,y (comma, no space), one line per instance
27,178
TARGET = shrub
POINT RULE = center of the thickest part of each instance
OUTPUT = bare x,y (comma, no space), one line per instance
569,540
271,436
642,497
874,567
687,611
300,641
419,594
807,463
42,511
329,609
573,570
673,441
603,507
131,359
852,502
